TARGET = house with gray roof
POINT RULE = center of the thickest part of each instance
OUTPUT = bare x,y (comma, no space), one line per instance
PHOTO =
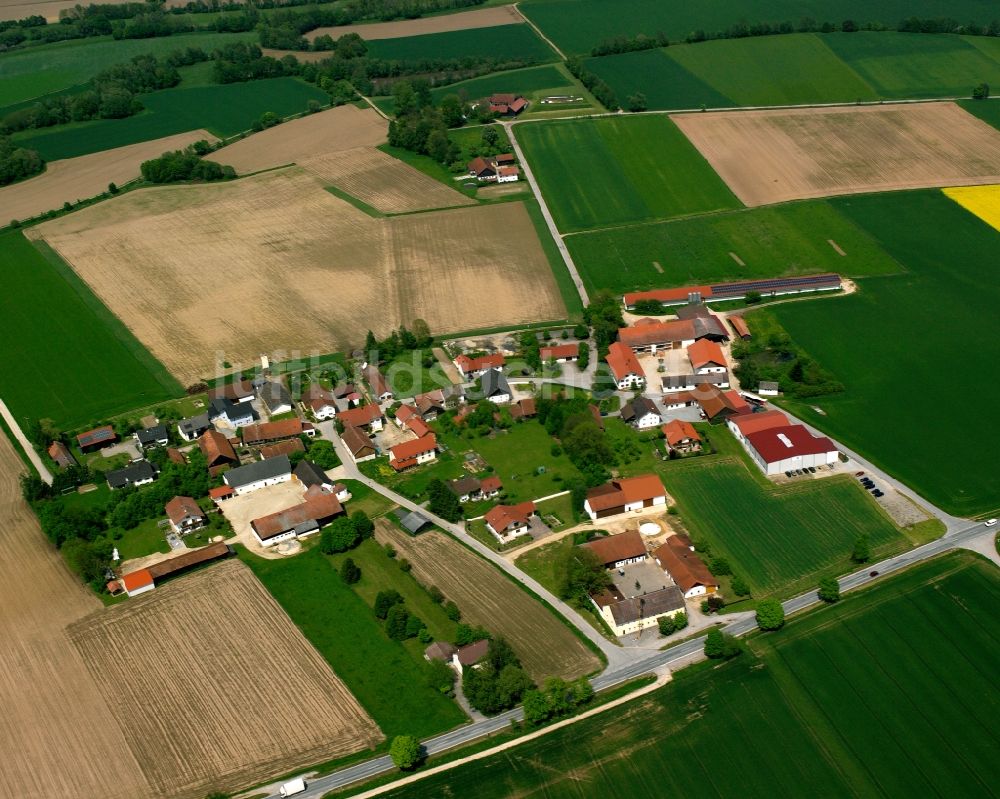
245,479
495,387
137,473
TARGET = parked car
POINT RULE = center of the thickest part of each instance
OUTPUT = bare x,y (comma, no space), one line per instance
878,493
812,470
858,474
788,474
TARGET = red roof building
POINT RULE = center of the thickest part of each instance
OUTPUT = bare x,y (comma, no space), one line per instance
782,449
509,521
748,423
668,296
625,366
96,438
474,367
138,582
412,453
677,558
625,494
61,455
220,494
560,353
369,416
217,449
619,550
265,432
706,355
681,435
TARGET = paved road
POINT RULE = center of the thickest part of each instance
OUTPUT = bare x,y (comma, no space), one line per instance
29,450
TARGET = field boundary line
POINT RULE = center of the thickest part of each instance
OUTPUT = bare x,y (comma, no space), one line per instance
538,32
22,439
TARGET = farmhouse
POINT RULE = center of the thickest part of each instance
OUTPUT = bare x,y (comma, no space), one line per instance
481,169
275,397
624,495
218,451
220,494
97,438
61,455
671,384
781,449
650,335
507,522
626,615
441,651
137,582
681,436
433,403
495,387
368,417
677,558
615,551
259,474
155,436
719,405
524,408
735,291
413,453
185,516
231,413
379,386
740,328
470,655
508,174
706,357
190,429
298,521
625,367
742,426
321,402
468,489
507,104
358,444
143,580
471,368
267,432
240,391
288,447
684,399
404,413
641,413
560,353
137,473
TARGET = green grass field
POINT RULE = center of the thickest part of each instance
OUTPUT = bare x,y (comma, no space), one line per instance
66,356
385,677
578,25
986,110
224,110
31,73
780,540
782,240
889,693
611,171
506,41
899,343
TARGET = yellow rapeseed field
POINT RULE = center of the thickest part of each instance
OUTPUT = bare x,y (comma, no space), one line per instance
983,201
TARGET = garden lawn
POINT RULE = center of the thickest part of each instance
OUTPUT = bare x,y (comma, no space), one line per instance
65,356
615,170
224,109
143,540
37,71
780,540
859,699
382,674
897,343
776,241
408,376
506,42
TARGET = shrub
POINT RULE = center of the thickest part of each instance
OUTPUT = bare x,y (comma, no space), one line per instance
406,752
770,615
829,590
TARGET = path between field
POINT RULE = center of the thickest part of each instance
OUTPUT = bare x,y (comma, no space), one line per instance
553,230
538,32
22,439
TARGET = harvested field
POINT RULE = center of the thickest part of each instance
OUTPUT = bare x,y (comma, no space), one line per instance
383,182
342,128
464,20
486,597
774,156
87,176
19,9
202,694
324,271
55,727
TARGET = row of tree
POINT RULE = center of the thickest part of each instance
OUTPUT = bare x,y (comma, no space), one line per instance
184,165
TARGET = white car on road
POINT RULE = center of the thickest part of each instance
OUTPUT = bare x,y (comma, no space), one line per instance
991,522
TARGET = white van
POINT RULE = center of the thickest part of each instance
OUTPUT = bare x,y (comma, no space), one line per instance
292,787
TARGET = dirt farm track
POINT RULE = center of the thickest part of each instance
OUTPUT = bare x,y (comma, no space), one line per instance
275,264
774,156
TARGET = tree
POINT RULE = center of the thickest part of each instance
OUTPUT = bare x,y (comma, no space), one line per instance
363,526
439,676
443,501
350,572
740,587
981,92
720,566
451,611
579,573
862,549
452,111
829,590
339,536
396,619
491,137
583,361
714,643
406,752
770,614
752,297
637,102
384,600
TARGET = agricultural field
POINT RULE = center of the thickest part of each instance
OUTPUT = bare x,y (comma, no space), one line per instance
224,110
988,112
463,20
518,42
858,699
778,241
774,156
50,700
922,324
65,356
983,201
341,272
75,179
343,627
576,26
37,71
19,9
198,694
781,540
611,171
545,644
383,182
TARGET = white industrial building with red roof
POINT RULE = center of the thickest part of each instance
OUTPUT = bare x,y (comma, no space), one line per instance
782,449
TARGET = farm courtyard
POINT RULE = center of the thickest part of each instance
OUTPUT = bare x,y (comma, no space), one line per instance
273,262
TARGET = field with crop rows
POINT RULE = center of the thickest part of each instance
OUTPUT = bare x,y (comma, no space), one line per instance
477,18
778,539
346,632
486,597
921,325
224,110
505,42
65,356
791,239
860,699
611,171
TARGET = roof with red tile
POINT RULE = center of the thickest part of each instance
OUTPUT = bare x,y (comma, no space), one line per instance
778,443
179,508
684,566
137,579
411,449
361,416
467,364
615,548
317,507
622,361
667,295
678,430
755,422
500,517
216,448
271,431
560,351
705,352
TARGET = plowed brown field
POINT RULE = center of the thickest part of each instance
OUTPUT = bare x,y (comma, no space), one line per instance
463,20
486,597
58,735
19,9
215,687
383,182
774,156
73,179
275,264
342,128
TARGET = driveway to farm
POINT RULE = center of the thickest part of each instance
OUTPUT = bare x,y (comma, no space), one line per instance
22,439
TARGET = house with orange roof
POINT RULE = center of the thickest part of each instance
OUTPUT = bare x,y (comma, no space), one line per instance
560,353
681,436
413,453
676,556
471,368
138,582
706,357
368,417
507,522
624,495
742,426
625,367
